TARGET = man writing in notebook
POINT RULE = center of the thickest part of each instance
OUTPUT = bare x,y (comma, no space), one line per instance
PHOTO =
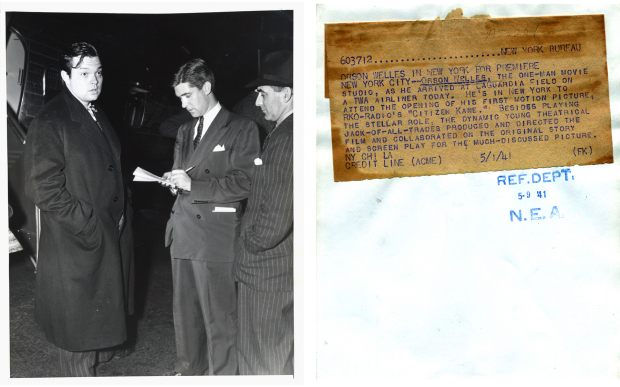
213,164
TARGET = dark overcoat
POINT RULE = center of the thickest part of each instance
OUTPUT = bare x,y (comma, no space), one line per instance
84,284
224,163
264,259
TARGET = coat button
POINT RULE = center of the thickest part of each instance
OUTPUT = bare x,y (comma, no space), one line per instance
172,212
110,167
115,198
207,171
198,216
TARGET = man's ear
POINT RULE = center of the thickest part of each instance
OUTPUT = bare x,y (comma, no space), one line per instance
65,77
206,88
288,93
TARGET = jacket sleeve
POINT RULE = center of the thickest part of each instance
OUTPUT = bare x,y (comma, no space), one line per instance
181,133
274,219
235,185
46,182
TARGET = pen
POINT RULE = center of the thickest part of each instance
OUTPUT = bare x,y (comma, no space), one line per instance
187,170
175,189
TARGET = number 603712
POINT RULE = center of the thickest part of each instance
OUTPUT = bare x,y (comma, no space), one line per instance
355,60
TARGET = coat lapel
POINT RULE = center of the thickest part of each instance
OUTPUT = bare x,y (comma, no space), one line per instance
87,125
109,133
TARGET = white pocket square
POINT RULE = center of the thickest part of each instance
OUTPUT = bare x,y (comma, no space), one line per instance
219,148
224,209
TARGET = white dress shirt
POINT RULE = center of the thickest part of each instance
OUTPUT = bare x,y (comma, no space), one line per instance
208,119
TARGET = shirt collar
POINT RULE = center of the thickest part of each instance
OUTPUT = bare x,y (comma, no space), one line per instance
283,117
210,115
208,119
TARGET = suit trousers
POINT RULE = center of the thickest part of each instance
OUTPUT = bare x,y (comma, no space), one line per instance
265,335
82,364
205,317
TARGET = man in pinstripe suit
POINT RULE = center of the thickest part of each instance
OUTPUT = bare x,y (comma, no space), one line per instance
264,253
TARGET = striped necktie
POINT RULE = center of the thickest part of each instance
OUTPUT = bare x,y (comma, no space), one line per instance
198,132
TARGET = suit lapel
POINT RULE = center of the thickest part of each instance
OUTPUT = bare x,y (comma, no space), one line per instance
211,138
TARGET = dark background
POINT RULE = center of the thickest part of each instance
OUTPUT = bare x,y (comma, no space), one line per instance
129,44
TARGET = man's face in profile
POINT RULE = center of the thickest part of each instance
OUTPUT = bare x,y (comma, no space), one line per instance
193,99
86,80
271,102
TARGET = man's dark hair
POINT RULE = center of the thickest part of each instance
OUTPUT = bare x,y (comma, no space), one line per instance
196,73
80,50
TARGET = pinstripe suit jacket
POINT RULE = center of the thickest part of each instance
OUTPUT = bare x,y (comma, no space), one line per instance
264,254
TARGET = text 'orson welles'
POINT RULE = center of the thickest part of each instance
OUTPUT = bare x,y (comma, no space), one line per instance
434,106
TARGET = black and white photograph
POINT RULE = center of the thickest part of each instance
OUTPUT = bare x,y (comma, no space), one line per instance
150,218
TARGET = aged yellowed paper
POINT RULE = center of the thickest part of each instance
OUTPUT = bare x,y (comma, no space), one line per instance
434,97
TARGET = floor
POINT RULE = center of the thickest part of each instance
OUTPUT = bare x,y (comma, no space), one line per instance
32,356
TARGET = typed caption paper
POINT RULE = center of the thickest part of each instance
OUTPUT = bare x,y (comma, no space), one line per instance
467,95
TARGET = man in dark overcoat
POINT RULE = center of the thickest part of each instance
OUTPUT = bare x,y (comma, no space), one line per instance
213,162
264,256
84,283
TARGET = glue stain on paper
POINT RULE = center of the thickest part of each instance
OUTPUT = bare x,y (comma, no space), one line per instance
458,14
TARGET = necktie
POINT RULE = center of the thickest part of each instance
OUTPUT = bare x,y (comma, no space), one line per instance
92,110
198,132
